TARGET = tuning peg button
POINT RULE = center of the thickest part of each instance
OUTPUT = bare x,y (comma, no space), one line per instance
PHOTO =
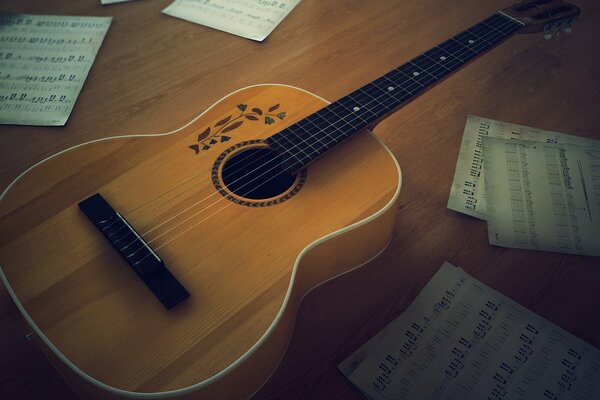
548,36
568,30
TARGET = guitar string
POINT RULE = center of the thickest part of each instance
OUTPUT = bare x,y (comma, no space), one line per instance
232,182
115,219
211,195
199,175
462,51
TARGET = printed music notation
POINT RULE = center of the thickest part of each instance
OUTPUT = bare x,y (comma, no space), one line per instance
467,194
460,339
251,19
44,61
543,196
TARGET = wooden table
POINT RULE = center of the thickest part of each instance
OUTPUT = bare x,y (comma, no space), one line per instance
154,73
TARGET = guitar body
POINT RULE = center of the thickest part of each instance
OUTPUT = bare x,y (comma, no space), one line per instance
246,263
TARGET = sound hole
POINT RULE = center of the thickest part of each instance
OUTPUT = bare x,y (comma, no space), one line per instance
256,174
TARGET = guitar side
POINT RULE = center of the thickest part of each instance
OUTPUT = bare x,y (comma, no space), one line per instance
246,266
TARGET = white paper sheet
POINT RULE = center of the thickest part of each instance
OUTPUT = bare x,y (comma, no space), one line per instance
44,61
543,196
460,339
467,194
251,19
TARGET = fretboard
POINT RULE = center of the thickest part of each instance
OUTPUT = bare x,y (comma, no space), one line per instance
311,137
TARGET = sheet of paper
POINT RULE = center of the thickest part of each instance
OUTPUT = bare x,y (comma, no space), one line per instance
467,194
543,196
251,19
460,339
44,61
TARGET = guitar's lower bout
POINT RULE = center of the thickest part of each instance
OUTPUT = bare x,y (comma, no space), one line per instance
246,266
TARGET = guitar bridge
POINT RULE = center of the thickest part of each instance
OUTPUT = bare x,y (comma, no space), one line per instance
136,252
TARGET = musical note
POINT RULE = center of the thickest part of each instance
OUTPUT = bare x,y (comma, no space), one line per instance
480,345
555,213
467,193
44,61
252,19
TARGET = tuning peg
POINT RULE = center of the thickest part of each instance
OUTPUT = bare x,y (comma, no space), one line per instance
553,30
568,30
550,31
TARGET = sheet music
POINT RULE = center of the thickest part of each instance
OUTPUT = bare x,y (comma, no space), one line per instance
44,61
460,339
467,194
543,196
251,19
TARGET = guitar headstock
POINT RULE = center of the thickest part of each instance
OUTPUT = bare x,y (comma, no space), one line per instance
543,15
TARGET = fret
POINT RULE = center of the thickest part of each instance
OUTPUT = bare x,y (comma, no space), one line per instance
303,142
309,139
293,144
406,82
432,67
473,41
336,120
458,50
417,74
425,64
487,33
337,134
330,134
367,102
323,132
349,115
399,93
364,100
502,24
444,59
376,100
337,129
376,93
313,132
353,105
316,120
317,133
313,135
281,144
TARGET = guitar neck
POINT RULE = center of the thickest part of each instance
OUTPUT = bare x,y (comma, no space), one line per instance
311,137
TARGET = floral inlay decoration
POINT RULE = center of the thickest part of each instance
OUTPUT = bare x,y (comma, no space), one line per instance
216,134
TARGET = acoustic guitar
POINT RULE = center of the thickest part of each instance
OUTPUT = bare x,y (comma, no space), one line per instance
173,265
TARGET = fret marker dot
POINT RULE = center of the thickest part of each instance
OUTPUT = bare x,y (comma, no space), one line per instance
442,58
416,73
356,108
390,88
471,41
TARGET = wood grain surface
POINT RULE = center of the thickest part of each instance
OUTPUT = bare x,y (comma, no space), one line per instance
155,73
